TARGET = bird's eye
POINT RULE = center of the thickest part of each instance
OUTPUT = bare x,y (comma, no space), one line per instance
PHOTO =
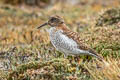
53,19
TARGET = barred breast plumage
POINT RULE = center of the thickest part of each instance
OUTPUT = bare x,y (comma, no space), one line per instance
63,43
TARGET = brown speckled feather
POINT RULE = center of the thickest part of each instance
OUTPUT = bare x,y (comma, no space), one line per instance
75,36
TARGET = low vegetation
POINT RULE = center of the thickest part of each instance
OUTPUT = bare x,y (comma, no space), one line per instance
27,54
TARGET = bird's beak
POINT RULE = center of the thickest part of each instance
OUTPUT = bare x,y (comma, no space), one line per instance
42,25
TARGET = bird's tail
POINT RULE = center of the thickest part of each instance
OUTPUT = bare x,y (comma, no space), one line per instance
99,57
95,54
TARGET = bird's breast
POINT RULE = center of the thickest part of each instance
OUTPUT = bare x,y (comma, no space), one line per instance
61,41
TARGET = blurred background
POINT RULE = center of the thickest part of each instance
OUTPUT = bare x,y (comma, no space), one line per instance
26,51
20,17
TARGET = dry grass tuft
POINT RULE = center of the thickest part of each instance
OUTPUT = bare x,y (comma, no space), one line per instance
111,72
26,53
109,17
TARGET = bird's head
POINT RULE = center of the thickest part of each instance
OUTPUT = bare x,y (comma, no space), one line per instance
53,21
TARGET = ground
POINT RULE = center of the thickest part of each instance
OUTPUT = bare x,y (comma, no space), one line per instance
27,54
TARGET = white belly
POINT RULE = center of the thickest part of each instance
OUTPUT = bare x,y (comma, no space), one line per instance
62,43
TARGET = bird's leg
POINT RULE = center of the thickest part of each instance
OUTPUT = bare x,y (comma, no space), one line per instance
76,62
65,55
76,58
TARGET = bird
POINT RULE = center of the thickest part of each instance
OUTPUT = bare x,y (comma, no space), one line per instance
65,40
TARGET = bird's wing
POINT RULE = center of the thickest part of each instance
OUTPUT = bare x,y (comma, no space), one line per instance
81,45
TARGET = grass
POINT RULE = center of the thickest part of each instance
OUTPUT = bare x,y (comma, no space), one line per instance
26,53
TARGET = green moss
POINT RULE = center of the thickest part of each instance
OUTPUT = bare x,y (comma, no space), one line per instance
59,66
